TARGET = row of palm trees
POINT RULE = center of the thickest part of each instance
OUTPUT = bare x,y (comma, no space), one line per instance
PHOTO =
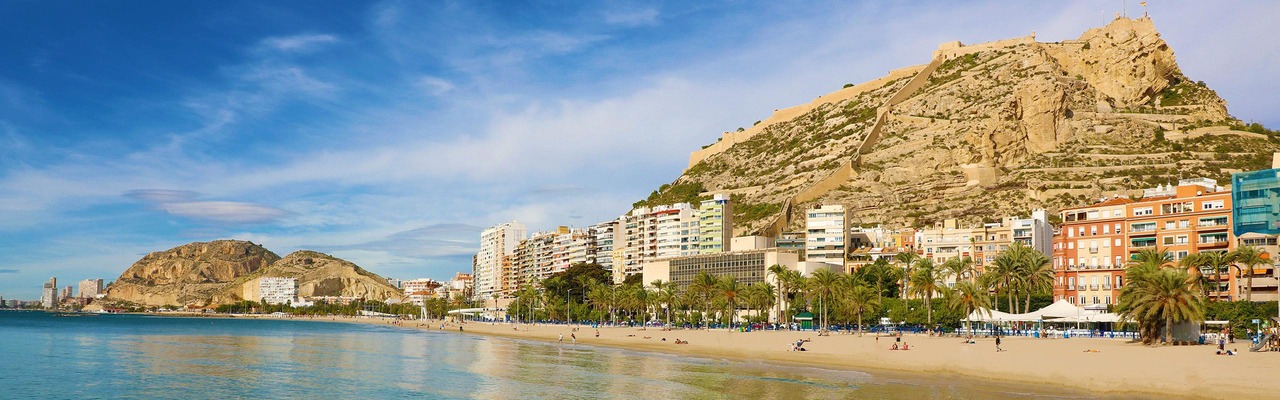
1216,263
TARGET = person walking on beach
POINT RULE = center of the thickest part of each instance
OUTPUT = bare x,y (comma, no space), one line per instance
561,339
573,337
998,349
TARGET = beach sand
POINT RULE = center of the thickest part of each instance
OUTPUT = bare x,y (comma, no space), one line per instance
1117,367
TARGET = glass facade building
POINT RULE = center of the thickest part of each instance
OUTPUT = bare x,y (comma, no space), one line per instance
1255,196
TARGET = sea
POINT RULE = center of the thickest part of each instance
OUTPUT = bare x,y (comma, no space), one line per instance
46,356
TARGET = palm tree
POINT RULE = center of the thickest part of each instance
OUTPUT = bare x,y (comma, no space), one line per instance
823,284
967,297
1192,264
1155,258
665,293
1157,299
906,260
704,285
1218,262
959,267
776,271
767,296
793,282
1036,274
925,281
1003,272
1250,257
729,290
859,298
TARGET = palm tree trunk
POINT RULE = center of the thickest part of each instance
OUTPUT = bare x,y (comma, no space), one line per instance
1027,307
1248,291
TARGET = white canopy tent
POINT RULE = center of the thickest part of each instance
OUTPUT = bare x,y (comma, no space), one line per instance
1059,311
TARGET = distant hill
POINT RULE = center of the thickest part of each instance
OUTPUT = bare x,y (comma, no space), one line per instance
982,130
227,271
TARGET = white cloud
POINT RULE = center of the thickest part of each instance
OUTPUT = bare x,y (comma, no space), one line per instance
224,211
433,85
299,43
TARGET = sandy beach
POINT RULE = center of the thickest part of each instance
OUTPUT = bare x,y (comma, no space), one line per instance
1113,367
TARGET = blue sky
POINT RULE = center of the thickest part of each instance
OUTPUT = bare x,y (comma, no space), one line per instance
390,133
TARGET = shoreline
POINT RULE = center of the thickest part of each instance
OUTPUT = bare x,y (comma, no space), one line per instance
1116,368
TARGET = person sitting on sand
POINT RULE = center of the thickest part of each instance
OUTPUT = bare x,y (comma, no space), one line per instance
597,333
895,347
906,346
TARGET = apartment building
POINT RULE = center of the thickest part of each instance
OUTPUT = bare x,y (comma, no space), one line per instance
1089,253
493,264
1256,222
715,224
826,234
600,249
658,232
90,288
273,290
1097,242
983,243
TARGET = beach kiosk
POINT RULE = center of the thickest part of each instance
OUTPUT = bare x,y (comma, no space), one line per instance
805,319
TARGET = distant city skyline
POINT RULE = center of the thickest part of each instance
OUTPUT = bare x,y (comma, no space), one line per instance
390,134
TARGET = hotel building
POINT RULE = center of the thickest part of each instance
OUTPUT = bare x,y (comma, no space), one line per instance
49,294
90,288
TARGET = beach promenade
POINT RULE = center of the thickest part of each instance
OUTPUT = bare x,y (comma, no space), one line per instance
1100,366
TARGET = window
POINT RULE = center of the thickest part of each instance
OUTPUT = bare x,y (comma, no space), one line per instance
1072,299
1118,280
1093,230
1168,240
1071,245
1071,285
1118,263
1169,225
1108,299
1106,229
1182,239
1118,229
1183,224
1181,255
1138,212
1212,205
1117,242
1095,299
1071,233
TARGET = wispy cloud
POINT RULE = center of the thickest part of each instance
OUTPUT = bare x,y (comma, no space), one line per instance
299,43
225,211
184,204
632,17
9,271
433,85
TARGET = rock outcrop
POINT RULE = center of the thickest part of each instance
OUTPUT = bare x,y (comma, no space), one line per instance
984,130
190,273
228,271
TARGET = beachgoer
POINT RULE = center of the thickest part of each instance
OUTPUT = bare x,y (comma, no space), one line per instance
561,338
574,337
998,349
597,333
906,346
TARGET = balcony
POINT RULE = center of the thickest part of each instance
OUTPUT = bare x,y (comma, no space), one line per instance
1093,250
1094,287
1213,243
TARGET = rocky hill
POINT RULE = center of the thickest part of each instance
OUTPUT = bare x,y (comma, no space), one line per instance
982,130
318,274
227,271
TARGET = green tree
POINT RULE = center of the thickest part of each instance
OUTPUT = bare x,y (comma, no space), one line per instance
729,290
1157,299
822,284
906,260
1249,257
925,281
704,285
967,297
859,299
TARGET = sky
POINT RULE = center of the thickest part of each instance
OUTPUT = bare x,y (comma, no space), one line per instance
391,133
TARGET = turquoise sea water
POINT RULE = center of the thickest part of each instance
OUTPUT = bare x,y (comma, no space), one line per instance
150,357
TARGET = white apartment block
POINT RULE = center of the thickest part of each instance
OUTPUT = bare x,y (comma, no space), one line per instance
492,263
654,233
826,234
983,243
278,290
423,285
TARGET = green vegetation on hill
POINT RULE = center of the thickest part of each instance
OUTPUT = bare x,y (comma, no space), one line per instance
671,193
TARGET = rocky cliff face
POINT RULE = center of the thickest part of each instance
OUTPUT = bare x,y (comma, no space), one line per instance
188,273
986,130
227,271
